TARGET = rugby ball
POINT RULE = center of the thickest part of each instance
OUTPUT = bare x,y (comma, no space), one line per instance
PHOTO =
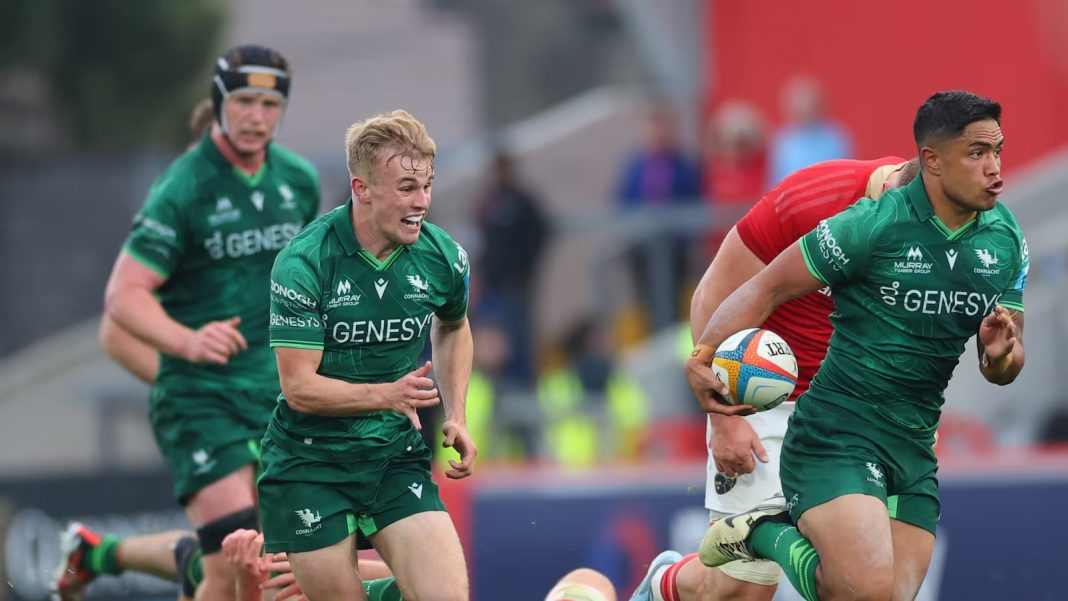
758,367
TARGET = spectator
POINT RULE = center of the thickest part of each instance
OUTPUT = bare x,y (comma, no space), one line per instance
809,135
514,231
736,164
659,175
736,159
592,409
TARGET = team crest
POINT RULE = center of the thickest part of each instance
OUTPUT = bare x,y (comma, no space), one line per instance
989,261
418,283
420,287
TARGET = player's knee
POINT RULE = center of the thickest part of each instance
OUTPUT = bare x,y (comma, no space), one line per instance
211,535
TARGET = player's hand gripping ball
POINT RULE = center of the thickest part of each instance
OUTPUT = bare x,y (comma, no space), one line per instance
758,367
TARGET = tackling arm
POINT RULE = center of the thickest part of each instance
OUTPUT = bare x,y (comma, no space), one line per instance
732,266
786,278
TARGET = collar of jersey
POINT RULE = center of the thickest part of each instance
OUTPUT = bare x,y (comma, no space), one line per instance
343,229
921,203
210,150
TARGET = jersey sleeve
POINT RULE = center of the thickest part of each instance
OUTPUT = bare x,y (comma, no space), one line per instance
455,307
157,239
761,230
839,248
295,293
1012,297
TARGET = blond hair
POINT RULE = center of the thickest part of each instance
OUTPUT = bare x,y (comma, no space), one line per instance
397,132
201,118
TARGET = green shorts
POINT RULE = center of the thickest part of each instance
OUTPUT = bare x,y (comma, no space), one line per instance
207,435
307,505
836,445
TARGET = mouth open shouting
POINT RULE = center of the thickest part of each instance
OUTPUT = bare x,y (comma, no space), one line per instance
412,223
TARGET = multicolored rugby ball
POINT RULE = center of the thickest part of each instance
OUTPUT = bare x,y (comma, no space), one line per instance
758,366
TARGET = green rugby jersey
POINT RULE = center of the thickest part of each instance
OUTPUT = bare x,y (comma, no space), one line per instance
370,318
212,232
908,294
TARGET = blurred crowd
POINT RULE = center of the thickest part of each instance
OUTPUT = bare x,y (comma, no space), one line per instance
575,400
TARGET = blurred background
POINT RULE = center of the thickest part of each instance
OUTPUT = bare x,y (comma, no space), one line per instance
592,153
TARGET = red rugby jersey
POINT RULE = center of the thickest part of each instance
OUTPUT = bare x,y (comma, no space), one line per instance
790,210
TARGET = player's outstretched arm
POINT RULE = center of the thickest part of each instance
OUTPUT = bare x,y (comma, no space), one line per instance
136,357
130,302
308,392
786,278
282,584
453,350
1000,342
259,577
242,549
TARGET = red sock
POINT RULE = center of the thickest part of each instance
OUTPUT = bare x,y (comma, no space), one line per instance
669,589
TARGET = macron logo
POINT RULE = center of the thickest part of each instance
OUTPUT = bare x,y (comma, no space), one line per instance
417,489
951,256
380,286
914,254
344,287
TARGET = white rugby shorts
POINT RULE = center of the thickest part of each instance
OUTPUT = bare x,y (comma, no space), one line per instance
729,496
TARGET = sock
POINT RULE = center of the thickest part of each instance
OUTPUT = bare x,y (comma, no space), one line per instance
103,558
383,589
785,545
664,583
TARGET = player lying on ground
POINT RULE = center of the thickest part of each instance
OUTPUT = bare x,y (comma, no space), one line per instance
258,573
174,555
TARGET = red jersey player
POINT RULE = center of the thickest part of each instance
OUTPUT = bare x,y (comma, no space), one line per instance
743,452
